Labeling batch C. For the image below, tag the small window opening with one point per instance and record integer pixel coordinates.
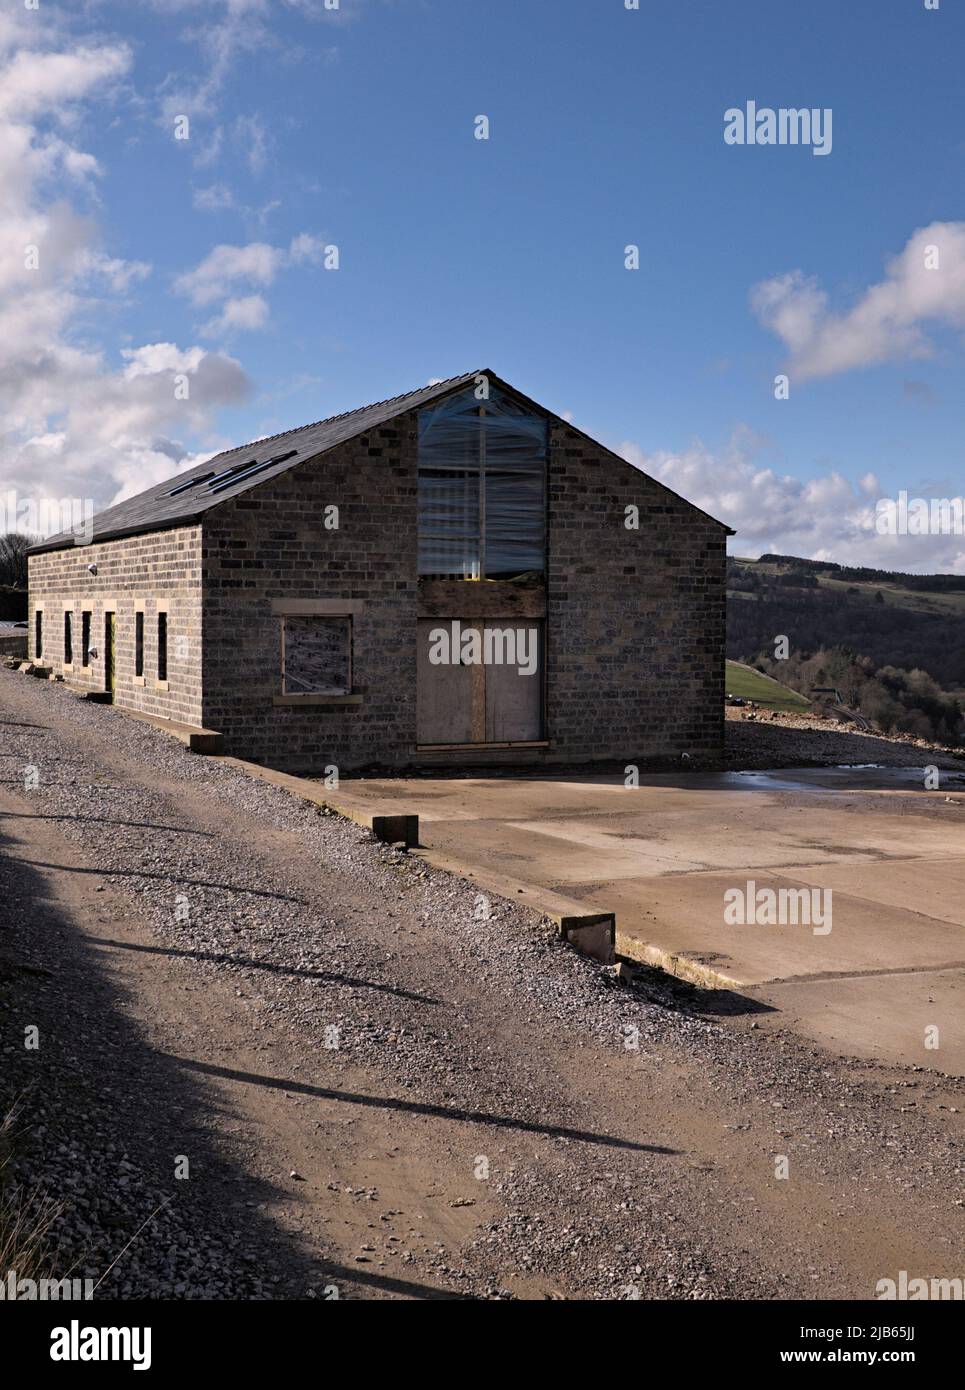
(316, 656)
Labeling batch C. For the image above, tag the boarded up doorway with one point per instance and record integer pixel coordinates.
(488, 688)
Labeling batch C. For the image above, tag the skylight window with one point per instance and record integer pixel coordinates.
(192, 482)
(218, 482)
(221, 484)
(230, 472)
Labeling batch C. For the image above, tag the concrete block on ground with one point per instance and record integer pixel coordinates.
(392, 829)
(592, 933)
(206, 741)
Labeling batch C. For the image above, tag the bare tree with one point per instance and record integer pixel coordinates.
(13, 558)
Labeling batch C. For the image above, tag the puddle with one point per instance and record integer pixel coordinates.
(853, 777)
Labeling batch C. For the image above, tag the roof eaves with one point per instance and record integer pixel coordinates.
(67, 541)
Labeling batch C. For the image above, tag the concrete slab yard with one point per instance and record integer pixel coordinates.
(661, 856)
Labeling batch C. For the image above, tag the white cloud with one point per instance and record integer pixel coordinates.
(823, 518)
(76, 424)
(228, 268)
(257, 263)
(160, 357)
(239, 28)
(306, 248)
(119, 274)
(224, 31)
(244, 314)
(35, 82)
(888, 321)
(216, 198)
(251, 134)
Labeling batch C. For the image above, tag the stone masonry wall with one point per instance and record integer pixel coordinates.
(270, 549)
(635, 631)
(136, 573)
(636, 618)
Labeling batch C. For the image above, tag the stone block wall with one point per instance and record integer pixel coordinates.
(158, 571)
(276, 548)
(636, 617)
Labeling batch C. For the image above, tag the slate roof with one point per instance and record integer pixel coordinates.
(157, 510)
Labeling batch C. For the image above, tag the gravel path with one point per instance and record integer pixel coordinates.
(378, 1092)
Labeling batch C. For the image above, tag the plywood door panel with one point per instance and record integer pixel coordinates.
(444, 712)
(477, 703)
(514, 701)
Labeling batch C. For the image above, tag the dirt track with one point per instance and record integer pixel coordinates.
(187, 939)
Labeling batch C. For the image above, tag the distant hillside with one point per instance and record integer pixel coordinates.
(910, 621)
(893, 644)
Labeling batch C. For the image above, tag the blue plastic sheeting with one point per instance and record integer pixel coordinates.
(482, 488)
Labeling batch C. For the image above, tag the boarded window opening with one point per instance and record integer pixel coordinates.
(162, 646)
(38, 634)
(68, 638)
(85, 638)
(316, 656)
(139, 644)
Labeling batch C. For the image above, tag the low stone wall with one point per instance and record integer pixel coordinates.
(14, 644)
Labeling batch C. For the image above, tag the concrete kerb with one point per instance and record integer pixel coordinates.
(695, 972)
(391, 829)
(591, 933)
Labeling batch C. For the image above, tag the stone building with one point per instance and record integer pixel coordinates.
(456, 576)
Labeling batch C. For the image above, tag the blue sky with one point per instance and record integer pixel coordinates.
(311, 128)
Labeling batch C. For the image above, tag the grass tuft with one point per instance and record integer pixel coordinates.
(25, 1217)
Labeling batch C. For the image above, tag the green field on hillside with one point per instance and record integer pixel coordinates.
(893, 594)
(748, 684)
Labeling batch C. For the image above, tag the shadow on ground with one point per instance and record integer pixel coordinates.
(94, 1097)
(671, 992)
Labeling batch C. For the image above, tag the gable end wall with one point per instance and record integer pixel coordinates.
(635, 644)
(636, 617)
